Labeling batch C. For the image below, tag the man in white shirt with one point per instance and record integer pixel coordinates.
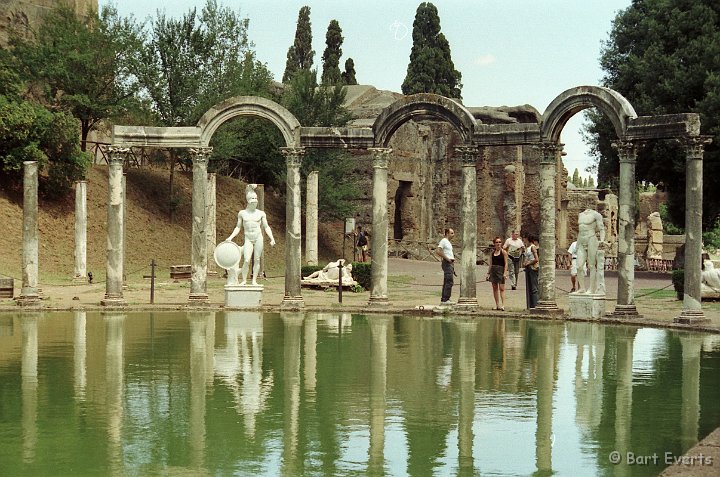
(572, 250)
(445, 251)
(515, 247)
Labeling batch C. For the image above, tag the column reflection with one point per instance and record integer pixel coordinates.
(80, 353)
(310, 356)
(690, 409)
(546, 362)
(378, 388)
(200, 326)
(29, 376)
(114, 377)
(625, 338)
(292, 326)
(466, 372)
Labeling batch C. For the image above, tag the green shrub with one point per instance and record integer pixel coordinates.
(361, 274)
(306, 270)
(678, 280)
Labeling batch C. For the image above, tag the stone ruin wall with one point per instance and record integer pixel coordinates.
(23, 16)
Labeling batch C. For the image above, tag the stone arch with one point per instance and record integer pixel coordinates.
(573, 100)
(422, 106)
(250, 106)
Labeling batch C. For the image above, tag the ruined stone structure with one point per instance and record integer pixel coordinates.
(23, 16)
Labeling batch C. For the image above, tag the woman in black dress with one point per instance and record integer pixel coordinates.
(498, 272)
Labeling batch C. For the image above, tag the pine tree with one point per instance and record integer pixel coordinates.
(585, 183)
(431, 69)
(300, 54)
(591, 182)
(576, 178)
(348, 76)
(331, 55)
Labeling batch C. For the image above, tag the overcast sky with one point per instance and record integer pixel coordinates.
(510, 52)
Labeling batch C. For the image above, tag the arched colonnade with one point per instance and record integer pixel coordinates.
(630, 130)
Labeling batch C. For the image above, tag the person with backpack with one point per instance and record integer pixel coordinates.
(362, 243)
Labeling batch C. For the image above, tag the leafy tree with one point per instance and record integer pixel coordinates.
(79, 64)
(331, 55)
(30, 132)
(300, 54)
(431, 69)
(664, 57)
(348, 76)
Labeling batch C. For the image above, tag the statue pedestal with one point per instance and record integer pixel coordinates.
(586, 305)
(243, 296)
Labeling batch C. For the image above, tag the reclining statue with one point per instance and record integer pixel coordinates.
(710, 284)
(330, 273)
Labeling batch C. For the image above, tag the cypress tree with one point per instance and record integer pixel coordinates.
(576, 178)
(300, 54)
(431, 69)
(348, 75)
(591, 182)
(331, 55)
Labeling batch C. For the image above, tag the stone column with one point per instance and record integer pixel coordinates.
(80, 275)
(692, 307)
(379, 237)
(548, 168)
(311, 220)
(198, 278)
(123, 211)
(627, 152)
(468, 289)
(293, 233)
(115, 244)
(210, 222)
(690, 409)
(29, 295)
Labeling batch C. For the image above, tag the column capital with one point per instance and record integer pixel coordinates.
(381, 156)
(200, 154)
(118, 155)
(695, 146)
(627, 150)
(293, 155)
(550, 151)
(467, 154)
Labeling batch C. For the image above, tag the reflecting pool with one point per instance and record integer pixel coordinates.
(242, 393)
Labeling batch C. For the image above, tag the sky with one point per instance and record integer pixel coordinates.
(510, 52)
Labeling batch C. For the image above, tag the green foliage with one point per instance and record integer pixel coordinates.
(331, 55)
(668, 226)
(711, 238)
(315, 105)
(357, 288)
(79, 64)
(306, 270)
(300, 54)
(337, 194)
(678, 280)
(576, 178)
(431, 69)
(361, 273)
(591, 182)
(348, 76)
(664, 57)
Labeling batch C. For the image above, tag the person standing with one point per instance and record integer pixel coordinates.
(498, 272)
(445, 251)
(532, 266)
(572, 250)
(362, 243)
(514, 248)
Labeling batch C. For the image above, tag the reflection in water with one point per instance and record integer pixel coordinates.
(200, 328)
(466, 332)
(623, 392)
(79, 347)
(114, 337)
(29, 373)
(310, 357)
(690, 410)
(378, 386)
(589, 389)
(292, 326)
(239, 365)
(546, 333)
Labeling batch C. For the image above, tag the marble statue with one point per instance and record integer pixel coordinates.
(591, 249)
(710, 284)
(655, 237)
(252, 222)
(330, 273)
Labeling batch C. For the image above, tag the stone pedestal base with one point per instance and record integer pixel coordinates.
(586, 305)
(547, 308)
(28, 300)
(625, 311)
(292, 303)
(243, 296)
(113, 301)
(379, 301)
(692, 317)
(467, 304)
(198, 299)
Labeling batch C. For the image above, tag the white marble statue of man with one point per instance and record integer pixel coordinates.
(590, 226)
(252, 221)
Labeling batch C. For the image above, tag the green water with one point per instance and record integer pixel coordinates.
(336, 394)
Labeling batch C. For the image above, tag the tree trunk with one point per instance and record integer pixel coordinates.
(171, 197)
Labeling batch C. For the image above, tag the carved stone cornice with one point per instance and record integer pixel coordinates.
(200, 155)
(550, 151)
(118, 155)
(293, 155)
(467, 155)
(381, 156)
(627, 151)
(695, 146)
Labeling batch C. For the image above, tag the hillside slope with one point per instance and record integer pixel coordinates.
(149, 232)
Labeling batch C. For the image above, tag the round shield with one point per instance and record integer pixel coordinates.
(227, 254)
